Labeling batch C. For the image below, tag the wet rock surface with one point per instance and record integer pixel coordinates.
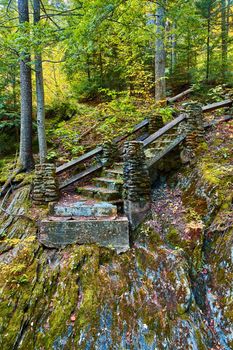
(172, 290)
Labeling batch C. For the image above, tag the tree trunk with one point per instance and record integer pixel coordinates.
(40, 94)
(26, 155)
(208, 48)
(173, 49)
(160, 55)
(224, 35)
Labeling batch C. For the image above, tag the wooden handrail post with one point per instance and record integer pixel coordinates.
(137, 187)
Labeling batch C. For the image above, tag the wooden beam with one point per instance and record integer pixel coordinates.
(81, 159)
(177, 97)
(226, 118)
(164, 129)
(80, 176)
(211, 107)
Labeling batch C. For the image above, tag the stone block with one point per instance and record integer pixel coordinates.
(82, 209)
(60, 232)
(136, 212)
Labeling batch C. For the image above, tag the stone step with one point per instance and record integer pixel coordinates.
(114, 174)
(59, 232)
(118, 166)
(83, 209)
(111, 184)
(100, 193)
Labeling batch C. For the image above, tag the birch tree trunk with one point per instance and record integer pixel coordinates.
(160, 55)
(26, 155)
(40, 94)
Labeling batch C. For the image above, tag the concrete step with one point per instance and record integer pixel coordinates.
(83, 209)
(59, 232)
(100, 193)
(111, 184)
(113, 174)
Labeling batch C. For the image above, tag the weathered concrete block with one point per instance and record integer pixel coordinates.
(86, 210)
(60, 232)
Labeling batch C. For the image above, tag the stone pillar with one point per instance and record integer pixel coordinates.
(155, 123)
(195, 125)
(137, 187)
(45, 187)
(110, 153)
(194, 129)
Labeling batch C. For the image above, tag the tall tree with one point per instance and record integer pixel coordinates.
(207, 10)
(40, 92)
(224, 36)
(26, 155)
(160, 54)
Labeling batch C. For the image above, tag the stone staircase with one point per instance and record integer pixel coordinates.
(95, 213)
(107, 188)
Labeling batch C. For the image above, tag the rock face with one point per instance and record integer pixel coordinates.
(172, 290)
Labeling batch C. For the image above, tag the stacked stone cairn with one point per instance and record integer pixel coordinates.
(45, 187)
(137, 187)
(110, 153)
(155, 123)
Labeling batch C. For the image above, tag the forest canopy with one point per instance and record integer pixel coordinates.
(86, 58)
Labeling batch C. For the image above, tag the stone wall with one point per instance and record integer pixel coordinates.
(45, 187)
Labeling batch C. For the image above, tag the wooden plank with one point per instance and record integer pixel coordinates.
(168, 149)
(80, 176)
(81, 159)
(217, 105)
(143, 136)
(177, 97)
(226, 118)
(164, 129)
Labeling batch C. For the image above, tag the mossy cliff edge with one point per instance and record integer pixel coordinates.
(172, 290)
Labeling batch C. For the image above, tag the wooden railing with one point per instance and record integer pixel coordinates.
(147, 141)
(163, 130)
(91, 154)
